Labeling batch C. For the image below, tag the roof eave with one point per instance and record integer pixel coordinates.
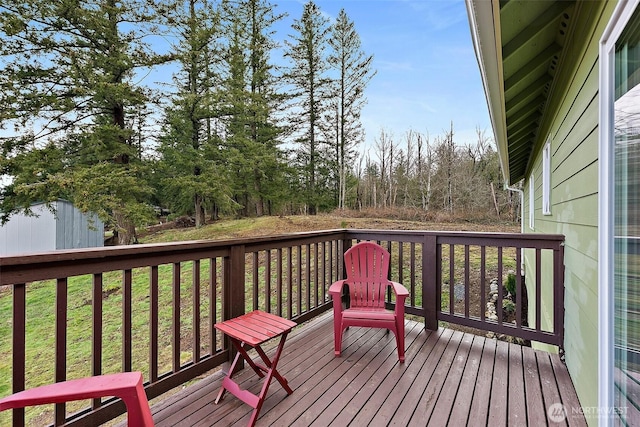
(484, 22)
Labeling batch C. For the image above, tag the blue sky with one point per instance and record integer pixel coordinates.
(428, 75)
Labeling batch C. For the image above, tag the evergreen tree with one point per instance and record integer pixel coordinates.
(250, 102)
(353, 75)
(193, 172)
(308, 76)
(67, 87)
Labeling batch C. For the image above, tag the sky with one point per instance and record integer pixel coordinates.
(427, 72)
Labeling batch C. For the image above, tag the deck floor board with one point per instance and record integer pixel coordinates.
(448, 378)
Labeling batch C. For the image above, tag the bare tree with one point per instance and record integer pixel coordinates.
(353, 75)
(424, 169)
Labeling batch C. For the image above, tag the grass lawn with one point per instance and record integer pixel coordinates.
(40, 339)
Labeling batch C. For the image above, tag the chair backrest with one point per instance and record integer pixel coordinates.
(367, 268)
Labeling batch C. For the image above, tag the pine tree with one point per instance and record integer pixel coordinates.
(354, 73)
(192, 165)
(67, 87)
(251, 99)
(308, 76)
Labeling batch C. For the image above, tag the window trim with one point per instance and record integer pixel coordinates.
(546, 178)
(532, 202)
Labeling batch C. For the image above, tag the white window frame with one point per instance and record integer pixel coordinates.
(546, 179)
(616, 25)
(532, 202)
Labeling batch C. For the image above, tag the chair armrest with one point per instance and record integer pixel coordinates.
(399, 289)
(401, 294)
(336, 287)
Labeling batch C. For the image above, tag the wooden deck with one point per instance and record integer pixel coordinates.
(449, 378)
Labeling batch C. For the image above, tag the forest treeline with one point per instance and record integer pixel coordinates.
(235, 132)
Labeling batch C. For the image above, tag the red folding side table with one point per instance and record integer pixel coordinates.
(250, 331)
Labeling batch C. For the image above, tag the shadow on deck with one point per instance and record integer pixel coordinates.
(449, 378)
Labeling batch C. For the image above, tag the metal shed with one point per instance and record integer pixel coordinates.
(67, 228)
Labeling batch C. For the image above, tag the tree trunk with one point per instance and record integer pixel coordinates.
(199, 210)
(125, 229)
(495, 202)
(259, 198)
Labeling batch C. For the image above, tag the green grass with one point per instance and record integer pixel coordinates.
(224, 229)
(40, 339)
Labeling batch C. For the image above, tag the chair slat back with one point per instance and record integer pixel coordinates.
(367, 266)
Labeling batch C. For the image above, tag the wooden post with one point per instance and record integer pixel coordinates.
(558, 294)
(233, 287)
(346, 245)
(61, 342)
(19, 333)
(233, 290)
(430, 283)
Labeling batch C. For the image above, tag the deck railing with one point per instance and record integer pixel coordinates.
(152, 307)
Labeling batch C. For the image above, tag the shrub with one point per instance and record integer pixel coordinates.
(511, 284)
(508, 307)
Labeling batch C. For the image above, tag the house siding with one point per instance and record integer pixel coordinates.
(571, 124)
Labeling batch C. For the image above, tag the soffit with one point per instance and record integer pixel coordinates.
(532, 39)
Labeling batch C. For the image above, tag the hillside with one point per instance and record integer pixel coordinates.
(265, 226)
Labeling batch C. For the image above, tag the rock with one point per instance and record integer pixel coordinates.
(459, 291)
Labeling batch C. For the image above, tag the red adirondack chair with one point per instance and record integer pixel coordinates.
(367, 270)
(125, 385)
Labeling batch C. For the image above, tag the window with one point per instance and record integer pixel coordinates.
(532, 205)
(546, 179)
(626, 226)
(619, 281)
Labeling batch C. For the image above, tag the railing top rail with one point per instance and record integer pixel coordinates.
(155, 248)
(450, 234)
(516, 240)
(73, 262)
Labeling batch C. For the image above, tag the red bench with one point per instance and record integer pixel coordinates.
(126, 385)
